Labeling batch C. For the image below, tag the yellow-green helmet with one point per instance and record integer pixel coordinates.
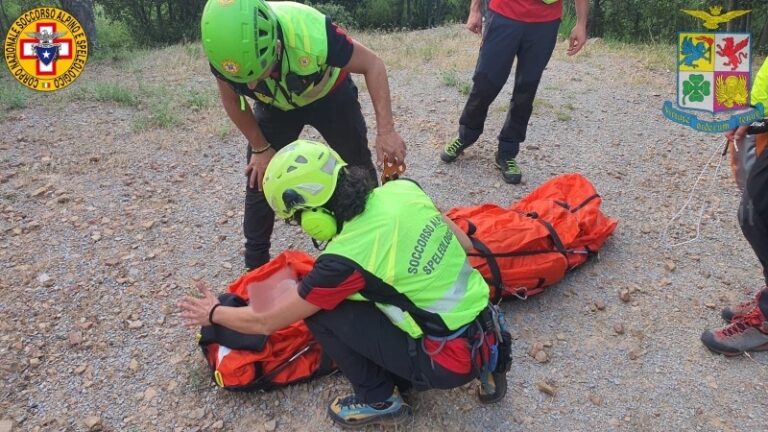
(302, 175)
(239, 38)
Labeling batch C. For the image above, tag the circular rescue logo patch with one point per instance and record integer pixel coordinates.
(231, 66)
(46, 49)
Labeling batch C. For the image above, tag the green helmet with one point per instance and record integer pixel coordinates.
(239, 38)
(302, 175)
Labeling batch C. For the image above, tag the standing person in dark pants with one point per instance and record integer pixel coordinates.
(748, 322)
(296, 64)
(525, 30)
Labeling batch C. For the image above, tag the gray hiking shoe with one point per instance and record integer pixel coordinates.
(350, 413)
(749, 333)
(452, 150)
(510, 171)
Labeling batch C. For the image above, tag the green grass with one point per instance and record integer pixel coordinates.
(651, 56)
(450, 78)
(500, 107)
(564, 116)
(113, 92)
(103, 91)
(224, 131)
(157, 116)
(464, 88)
(156, 106)
(198, 100)
(427, 52)
(194, 50)
(13, 95)
(541, 104)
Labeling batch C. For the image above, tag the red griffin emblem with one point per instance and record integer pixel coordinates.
(733, 51)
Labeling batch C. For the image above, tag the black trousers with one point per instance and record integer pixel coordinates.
(753, 211)
(374, 354)
(339, 120)
(505, 39)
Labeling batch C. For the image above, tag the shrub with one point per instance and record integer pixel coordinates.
(387, 14)
(115, 38)
(567, 22)
(338, 13)
(157, 22)
(380, 14)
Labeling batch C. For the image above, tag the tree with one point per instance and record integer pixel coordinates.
(596, 20)
(82, 10)
(157, 22)
(5, 20)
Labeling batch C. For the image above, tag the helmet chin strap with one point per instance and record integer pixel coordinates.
(319, 245)
(279, 50)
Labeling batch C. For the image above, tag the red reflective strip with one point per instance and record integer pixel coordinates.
(339, 80)
(329, 297)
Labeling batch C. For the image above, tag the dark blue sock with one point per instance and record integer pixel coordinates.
(508, 150)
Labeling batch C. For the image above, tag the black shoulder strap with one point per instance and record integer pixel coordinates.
(492, 265)
(556, 241)
(585, 202)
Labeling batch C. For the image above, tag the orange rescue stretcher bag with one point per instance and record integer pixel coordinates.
(531, 245)
(244, 363)
(520, 250)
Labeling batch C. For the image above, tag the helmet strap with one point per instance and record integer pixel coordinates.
(319, 245)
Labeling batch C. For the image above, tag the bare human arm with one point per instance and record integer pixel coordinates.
(738, 133)
(287, 309)
(247, 124)
(579, 33)
(475, 18)
(463, 238)
(389, 145)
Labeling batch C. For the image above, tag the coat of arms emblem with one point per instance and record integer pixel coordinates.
(713, 74)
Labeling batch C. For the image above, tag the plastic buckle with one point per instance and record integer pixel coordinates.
(391, 170)
(521, 293)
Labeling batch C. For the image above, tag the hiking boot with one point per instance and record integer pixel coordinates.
(509, 169)
(749, 333)
(348, 412)
(735, 312)
(493, 387)
(452, 150)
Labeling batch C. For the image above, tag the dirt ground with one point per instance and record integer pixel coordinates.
(118, 193)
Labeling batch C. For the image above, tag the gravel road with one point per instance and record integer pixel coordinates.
(105, 221)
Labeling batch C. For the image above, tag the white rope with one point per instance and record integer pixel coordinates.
(665, 234)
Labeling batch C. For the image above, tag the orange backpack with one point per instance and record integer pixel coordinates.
(529, 246)
(256, 362)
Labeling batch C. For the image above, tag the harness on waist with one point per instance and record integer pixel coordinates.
(489, 342)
